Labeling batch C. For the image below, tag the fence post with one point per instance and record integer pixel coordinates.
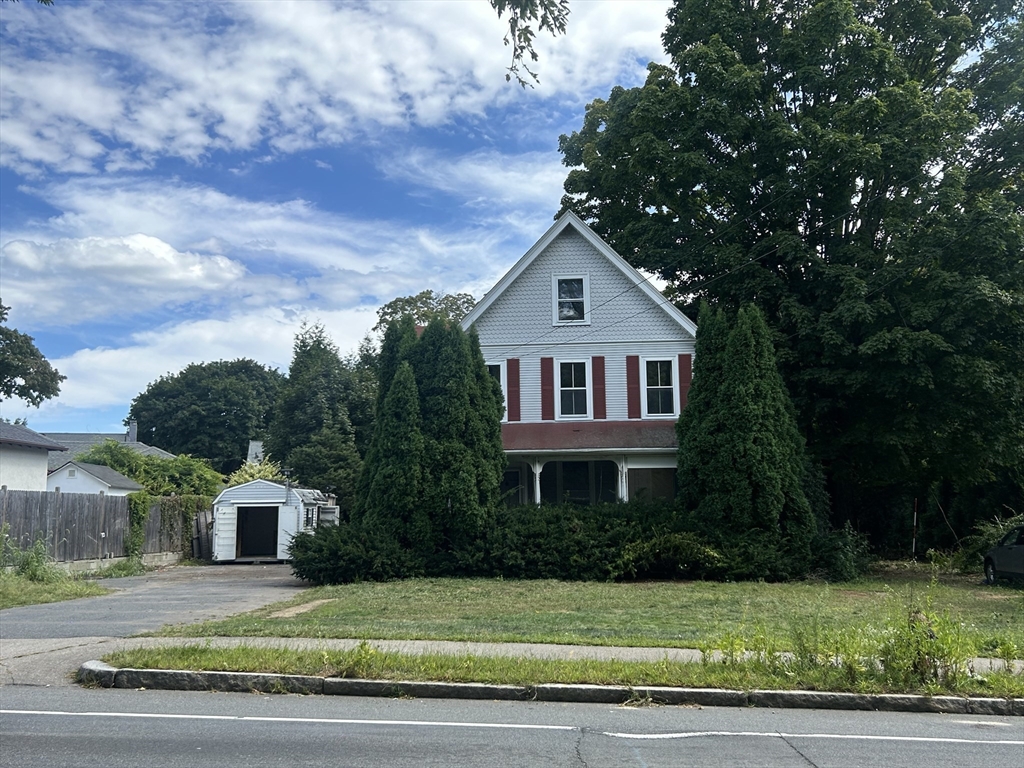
(103, 526)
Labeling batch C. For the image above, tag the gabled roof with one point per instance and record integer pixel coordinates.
(109, 477)
(80, 442)
(570, 219)
(16, 434)
(305, 495)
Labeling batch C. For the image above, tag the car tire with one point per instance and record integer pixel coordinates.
(990, 572)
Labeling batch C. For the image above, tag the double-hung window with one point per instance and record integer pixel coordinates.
(497, 372)
(570, 299)
(573, 390)
(659, 387)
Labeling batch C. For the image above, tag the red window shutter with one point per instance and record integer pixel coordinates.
(600, 408)
(512, 381)
(633, 386)
(547, 388)
(685, 377)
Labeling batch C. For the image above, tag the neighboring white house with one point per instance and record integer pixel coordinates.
(257, 520)
(23, 457)
(79, 477)
(595, 365)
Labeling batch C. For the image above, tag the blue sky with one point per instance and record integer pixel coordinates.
(185, 182)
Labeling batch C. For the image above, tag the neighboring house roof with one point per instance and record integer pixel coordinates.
(80, 442)
(570, 219)
(109, 477)
(16, 434)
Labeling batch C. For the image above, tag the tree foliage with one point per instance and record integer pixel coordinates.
(453, 406)
(267, 469)
(311, 431)
(826, 162)
(182, 475)
(424, 307)
(549, 15)
(741, 457)
(210, 410)
(24, 372)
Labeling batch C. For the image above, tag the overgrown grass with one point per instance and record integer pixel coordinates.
(30, 576)
(18, 590)
(658, 614)
(366, 662)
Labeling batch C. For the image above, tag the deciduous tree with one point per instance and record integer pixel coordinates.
(824, 161)
(210, 410)
(24, 372)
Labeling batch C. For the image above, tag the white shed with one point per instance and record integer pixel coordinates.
(257, 520)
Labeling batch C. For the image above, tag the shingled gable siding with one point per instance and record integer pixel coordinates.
(685, 377)
(633, 386)
(600, 409)
(547, 389)
(512, 407)
(620, 312)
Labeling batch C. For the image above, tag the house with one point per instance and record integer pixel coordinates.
(23, 457)
(257, 520)
(80, 442)
(595, 365)
(79, 477)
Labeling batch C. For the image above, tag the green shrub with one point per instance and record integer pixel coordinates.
(33, 563)
(840, 554)
(682, 555)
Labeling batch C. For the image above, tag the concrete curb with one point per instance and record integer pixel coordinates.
(106, 676)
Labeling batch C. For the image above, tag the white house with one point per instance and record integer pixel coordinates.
(23, 457)
(595, 365)
(257, 520)
(79, 477)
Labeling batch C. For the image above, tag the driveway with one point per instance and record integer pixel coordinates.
(43, 644)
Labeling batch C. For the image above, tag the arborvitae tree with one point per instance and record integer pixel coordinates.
(741, 459)
(695, 431)
(461, 461)
(329, 462)
(399, 339)
(393, 509)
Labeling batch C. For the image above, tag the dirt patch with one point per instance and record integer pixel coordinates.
(295, 610)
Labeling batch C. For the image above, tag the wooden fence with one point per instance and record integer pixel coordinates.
(88, 526)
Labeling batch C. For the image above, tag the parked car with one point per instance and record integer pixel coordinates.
(1006, 559)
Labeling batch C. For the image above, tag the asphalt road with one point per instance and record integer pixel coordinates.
(82, 727)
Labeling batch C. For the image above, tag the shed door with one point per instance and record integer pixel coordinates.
(257, 532)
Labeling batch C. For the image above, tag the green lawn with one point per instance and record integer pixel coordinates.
(661, 614)
(17, 590)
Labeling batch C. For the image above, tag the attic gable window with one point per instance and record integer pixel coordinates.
(570, 299)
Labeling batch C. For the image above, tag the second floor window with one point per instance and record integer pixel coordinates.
(661, 395)
(572, 389)
(571, 300)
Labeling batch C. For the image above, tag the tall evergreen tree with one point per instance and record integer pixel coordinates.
(741, 459)
(393, 508)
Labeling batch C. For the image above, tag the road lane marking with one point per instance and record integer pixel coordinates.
(783, 735)
(264, 719)
(513, 726)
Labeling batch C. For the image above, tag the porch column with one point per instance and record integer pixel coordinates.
(623, 464)
(537, 465)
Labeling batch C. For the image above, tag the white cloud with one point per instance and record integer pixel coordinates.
(116, 86)
(102, 377)
(210, 251)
